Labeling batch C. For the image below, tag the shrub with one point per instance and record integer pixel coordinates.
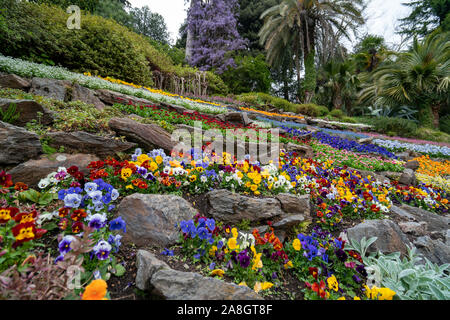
(312, 110)
(403, 127)
(102, 46)
(444, 124)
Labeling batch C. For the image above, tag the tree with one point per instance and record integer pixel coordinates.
(212, 36)
(301, 23)
(114, 9)
(249, 23)
(150, 24)
(425, 17)
(250, 75)
(338, 82)
(370, 52)
(418, 78)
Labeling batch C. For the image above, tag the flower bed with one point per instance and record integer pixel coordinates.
(429, 149)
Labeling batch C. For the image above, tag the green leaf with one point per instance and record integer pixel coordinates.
(119, 270)
(405, 273)
(438, 294)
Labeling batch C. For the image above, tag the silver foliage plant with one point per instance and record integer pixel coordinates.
(412, 278)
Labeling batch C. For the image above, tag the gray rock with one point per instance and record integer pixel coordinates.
(302, 151)
(294, 204)
(390, 237)
(84, 142)
(177, 285)
(147, 264)
(413, 165)
(79, 93)
(14, 82)
(414, 228)
(402, 213)
(233, 208)
(289, 222)
(17, 145)
(235, 118)
(51, 88)
(435, 222)
(32, 171)
(408, 178)
(148, 136)
(109, 97)
(151, 218)
(434, 250)
(403, 156)
(28, 110)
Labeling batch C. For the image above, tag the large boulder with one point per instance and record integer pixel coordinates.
(433, 249)
(163, 282)
(14, 82)
(178, 285)
(151, 218)
(236, 118)
(232, 208)
(84, 142)
(28, 110)
(435, 222)
(79, 93)
(389, 236)
(109, 97)
(148, 136)
(303, 151)
(17, 144)
(285, 210)
(32, 171)
(408, 178)
(51, 88)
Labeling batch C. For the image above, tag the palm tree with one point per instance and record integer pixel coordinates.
(419, 78)
(300, 24)
(339, 82)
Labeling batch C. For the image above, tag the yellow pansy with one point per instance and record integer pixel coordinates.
(217, 272)
(297, 244)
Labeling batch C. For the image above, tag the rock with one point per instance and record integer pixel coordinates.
(151, 218)
(232, 208)
(435, 222)
(414, 228)
(293, 204)
(79, 93)
(28, 110)
(408, 178)
(302, 151)
(84, 142)
(17, 144)
(236, 118)
(390, 237)
(172, 107)
(402, 213)
(32, 171)
(55, 89)
(14, 82)
(365, 140)
(413, 165)
(178, 285)
(147, 264)
(391, 175)
(403, 156)
(148, 136)
(111, 97)
(289, 222)
(434, 250)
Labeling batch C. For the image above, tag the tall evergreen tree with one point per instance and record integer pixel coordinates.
(425, 17)
(212, 35)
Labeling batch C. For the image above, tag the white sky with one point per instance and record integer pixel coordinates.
(382, 15)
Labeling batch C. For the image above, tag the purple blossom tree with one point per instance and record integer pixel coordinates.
(212, 34)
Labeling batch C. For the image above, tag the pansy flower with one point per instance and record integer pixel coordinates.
(7, 214)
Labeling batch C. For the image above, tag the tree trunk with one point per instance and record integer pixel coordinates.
(435, 112)
(337, 100)
(309, 50)
(189, 40)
